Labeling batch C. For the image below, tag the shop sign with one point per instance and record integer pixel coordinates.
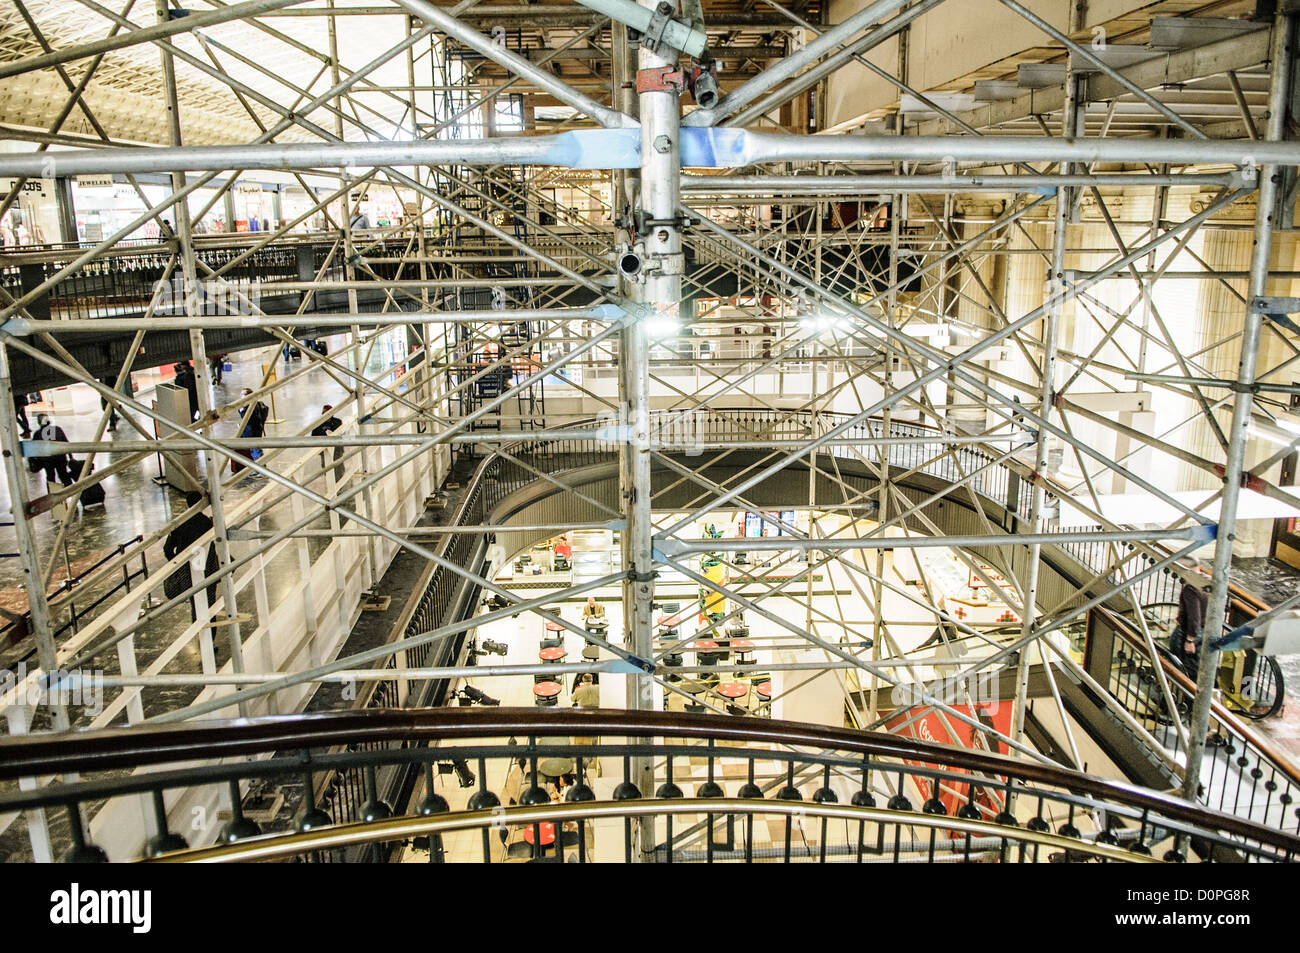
(31, 186)
(977, 583)
(98, 181)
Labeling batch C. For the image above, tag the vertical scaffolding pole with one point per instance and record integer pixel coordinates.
(661, 242)
(1280, 55)
(42, 629)
(1071, 128)
(193, 310)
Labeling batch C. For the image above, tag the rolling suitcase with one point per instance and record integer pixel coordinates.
(92, 495)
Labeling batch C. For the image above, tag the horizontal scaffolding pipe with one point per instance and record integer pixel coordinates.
(81, 679)
(687, 444)
(397, 284)
(48, 448)
(554, 529)
(776, 185)
(720, 147)
(674, 547)
(25, 327)
(563, 149)
(727, 147)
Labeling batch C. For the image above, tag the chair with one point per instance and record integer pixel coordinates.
(519, 851)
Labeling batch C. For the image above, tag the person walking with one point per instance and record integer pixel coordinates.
(587, 696)
(218, 363)
(106, 404)
(55, 465)
(330, 425)
(1186, 639)
(185, 378)
(20, 411)
(179, 541)
(254, 427)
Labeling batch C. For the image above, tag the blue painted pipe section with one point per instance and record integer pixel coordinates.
(595, 149)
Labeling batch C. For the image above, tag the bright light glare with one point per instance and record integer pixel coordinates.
(824, 323)
(659, 327)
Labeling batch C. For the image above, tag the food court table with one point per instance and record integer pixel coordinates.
(545, 828)
(546, 692)
(553, 654)
(732, 690)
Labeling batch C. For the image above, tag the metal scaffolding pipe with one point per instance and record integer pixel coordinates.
(676, 34)
(23, 327)
(674, 547)
(1283, 59)
(720, 147)
(774, 186)
(781, 72)
(446, 23)
(185, 24)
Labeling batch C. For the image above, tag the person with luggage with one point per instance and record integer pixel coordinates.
(179, 541)
(56, 465)
(93, 495)
(254, 427)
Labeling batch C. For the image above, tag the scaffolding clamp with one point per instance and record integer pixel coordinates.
(661, 79)
(665, 31)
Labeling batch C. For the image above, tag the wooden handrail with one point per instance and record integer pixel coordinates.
(1220, 712)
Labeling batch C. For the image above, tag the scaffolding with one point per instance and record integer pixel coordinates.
(611, 251)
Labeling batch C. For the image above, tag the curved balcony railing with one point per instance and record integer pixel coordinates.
(827, 786)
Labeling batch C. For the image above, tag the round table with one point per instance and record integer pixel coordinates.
(545, 828)
(743, 647)
(552, 654)
(764, 689)
(670, 621)
(733, 690)
(707, 652)
(591, 653)
(555, 766)
(546, 692)
(553, 626)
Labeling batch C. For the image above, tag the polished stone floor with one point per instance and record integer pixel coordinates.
(135, 504)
